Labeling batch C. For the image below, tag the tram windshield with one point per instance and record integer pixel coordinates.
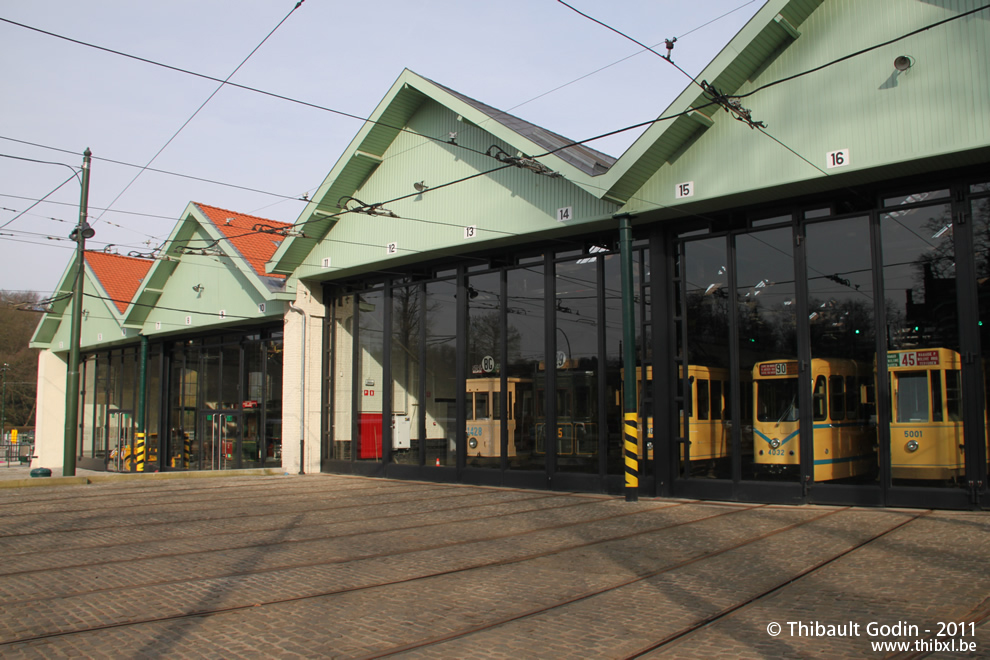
(912, 396)
(777, 400)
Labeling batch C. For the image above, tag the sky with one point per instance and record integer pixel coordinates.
(255, 154)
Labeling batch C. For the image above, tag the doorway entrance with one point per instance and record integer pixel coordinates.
(219, 444)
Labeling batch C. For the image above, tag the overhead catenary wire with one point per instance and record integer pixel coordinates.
(202, 105)
(653, 121)
(608, 66)
(228, 83)
(152, 169)
(56, 189)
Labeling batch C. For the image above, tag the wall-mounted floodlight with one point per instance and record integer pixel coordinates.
(198, 288)
(903, 62)
(421, 186)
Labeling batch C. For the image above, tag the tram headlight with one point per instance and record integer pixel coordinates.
(473, 443)
(912, 445)
(774, 443)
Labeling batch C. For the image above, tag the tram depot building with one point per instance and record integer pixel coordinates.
(811, 285)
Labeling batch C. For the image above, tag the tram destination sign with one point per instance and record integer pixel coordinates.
(778, 369)
(912, 359)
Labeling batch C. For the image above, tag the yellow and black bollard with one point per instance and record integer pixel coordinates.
(140, 452)
(630, 445)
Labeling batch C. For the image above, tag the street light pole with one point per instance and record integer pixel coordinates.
(630, 444)
(79, 234)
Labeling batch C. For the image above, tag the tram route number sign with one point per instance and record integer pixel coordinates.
(912, 359)
(778, 369)
(487, 366)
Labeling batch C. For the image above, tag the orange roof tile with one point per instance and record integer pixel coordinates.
(119, 276)
(256, 247)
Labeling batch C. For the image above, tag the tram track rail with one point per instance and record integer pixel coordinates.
(315, 539)
(185, 518)
(207, 612)
(752, 600)
(512, 573)
(491, 625)
(155, 495)
(979, 615)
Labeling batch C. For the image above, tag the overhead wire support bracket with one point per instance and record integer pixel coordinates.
(280, 231)
(367, 209)
(522, 161)
(210, 250)
(142, 255)
(731, 105)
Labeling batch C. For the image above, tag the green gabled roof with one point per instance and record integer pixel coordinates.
(57, 311)
(769, 31)
(363, 156)
(241, 255)
(110, 277)
(822, 76)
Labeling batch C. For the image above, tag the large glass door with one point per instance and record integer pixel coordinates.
(120, 435)
(844, 361)
(219, 444)
(842, 334)
(921, 382)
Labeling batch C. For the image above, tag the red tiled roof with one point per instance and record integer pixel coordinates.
(119, 276)
(256, 247)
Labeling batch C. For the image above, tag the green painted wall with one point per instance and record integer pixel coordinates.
(504, 205)
(224, 286)
(100, 322)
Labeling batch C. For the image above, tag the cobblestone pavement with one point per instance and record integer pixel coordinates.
(280, 566)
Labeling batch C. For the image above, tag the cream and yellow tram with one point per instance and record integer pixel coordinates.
(843, 437)
(704, 423)
(484, 428)
(926, 426)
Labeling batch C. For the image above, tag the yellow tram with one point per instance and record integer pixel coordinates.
(926, 426)
(705, 425)
(843, 436)
(484, 428)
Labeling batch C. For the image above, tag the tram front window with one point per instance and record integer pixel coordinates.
(777, 400)
(912, 397)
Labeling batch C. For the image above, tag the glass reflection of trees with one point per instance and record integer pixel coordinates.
(920, 278)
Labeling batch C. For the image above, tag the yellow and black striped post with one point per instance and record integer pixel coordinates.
(140, 454)
(630, 450)
(186, 450)
(630, 440)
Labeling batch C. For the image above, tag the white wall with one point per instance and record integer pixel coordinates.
(310, 301)
(49, 434)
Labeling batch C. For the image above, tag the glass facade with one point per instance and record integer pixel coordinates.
(828, 351)
(221, 397)
(514, 372)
